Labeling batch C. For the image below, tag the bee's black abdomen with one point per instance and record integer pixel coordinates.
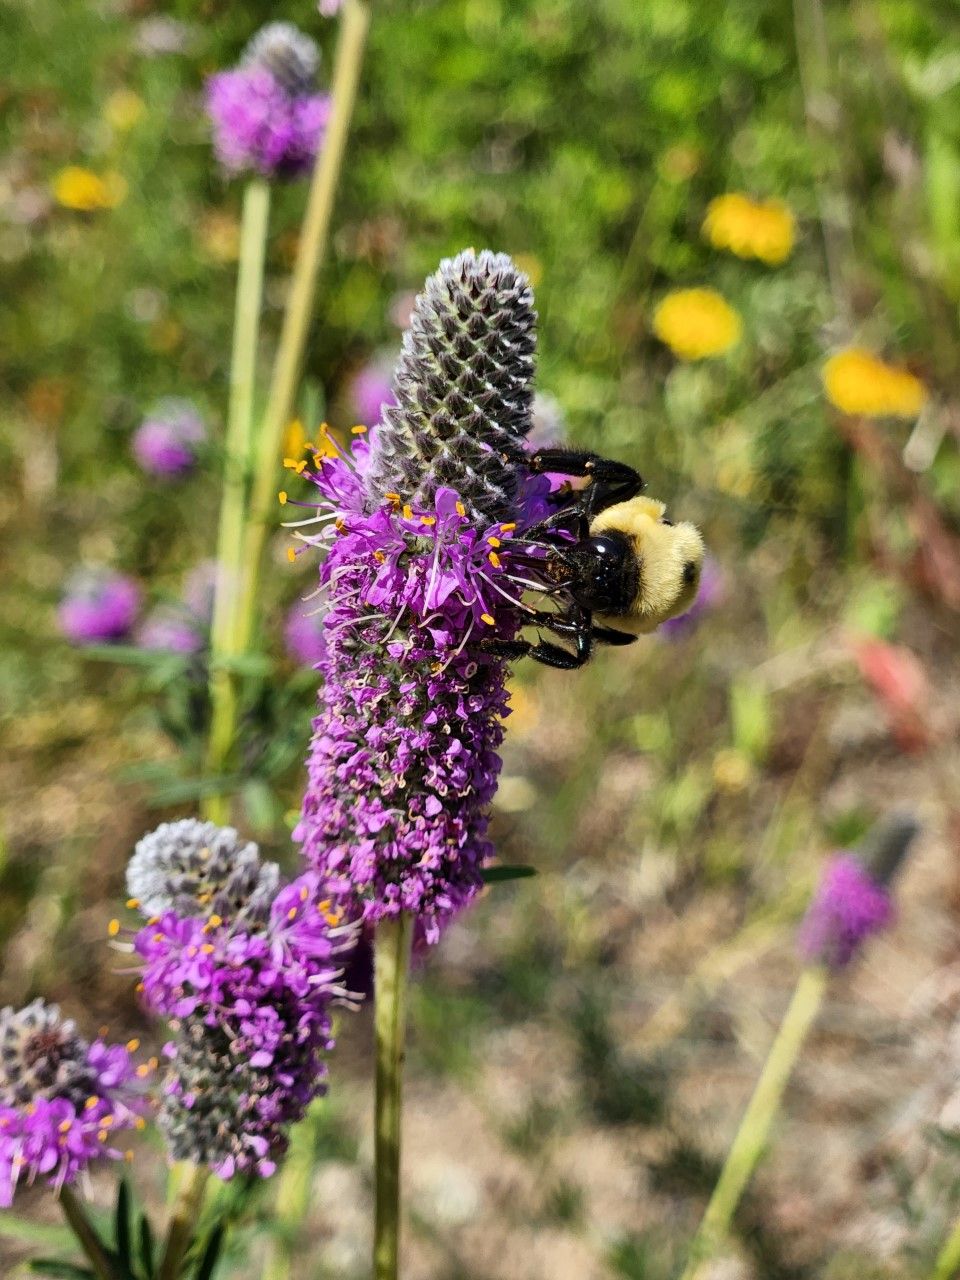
(607, 573)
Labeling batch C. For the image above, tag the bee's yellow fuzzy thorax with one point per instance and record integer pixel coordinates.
(663, 550)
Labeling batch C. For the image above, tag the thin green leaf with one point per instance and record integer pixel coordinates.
(211, 1254)
(59, 1270)
(147, 1263)
(498, 875)
(130, 655)
(193, 789)
(122, 1225)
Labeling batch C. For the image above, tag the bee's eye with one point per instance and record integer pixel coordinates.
(689, 572)
(664, 520)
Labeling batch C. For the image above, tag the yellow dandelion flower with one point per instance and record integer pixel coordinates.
(696, 323)
(124, 110)
(857, 382)
(86, 191)
(762, 229)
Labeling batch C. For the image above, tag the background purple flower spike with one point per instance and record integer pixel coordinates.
(371, 389)
(303, 632)
(853, 900)
(170, 629)
(167, 442)
(98, 607)
(266, 116)
(710, 595)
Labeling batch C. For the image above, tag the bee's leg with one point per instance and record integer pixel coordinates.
(576, 627)
(611, 481)
(609, 635)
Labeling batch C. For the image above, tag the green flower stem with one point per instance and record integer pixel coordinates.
(293, 1194)
(391, 961)
(947, 1265)
(83, 1229)
(236, 467)
(184, 1217)
(314, 236)
(751, 1139)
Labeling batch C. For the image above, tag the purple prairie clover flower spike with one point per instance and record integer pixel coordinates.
(250, 1001)
(171, 630)
(199, 589)
(710, 595)
(420, 570)
(463, 390)
(329, 8)
(266, 116)
(98, 607)
(303, 632)
(63, 1100)
(196, 868)
(167, 441)
(853, 900)
(371, 390)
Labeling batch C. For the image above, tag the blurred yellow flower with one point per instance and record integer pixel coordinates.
(732, 771)
(294, 440)
(857, 382)
(123, 110)
(695, 323)
(219, 235)
(86, 191)
(761, 229)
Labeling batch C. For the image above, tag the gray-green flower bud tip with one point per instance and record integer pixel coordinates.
(884, 848)
(197, 868)
(291, 57)
(463, 386)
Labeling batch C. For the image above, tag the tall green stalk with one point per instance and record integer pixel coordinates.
(89, 1241)
(224, 638)
(314, 237)
(391, 960)
(184, 1216)
(751, 1139)
(947, 1265)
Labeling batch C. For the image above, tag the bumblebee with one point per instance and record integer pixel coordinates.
(614, 564)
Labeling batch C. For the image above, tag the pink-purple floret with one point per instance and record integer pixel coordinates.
(848, 907)
(167, 442)
(98, 607)
(259, 126)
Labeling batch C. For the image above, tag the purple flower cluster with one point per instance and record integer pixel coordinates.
(853, 900)
(98, 607)
(266, 117)
(249, 993)
(848, 907)
(182, 627)
(167, 441)
(63, 1101)
(404, 758)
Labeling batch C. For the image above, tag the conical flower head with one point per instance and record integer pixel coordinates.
(41, 1053)
(291, 57)
(463, 387)
(198, 868)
